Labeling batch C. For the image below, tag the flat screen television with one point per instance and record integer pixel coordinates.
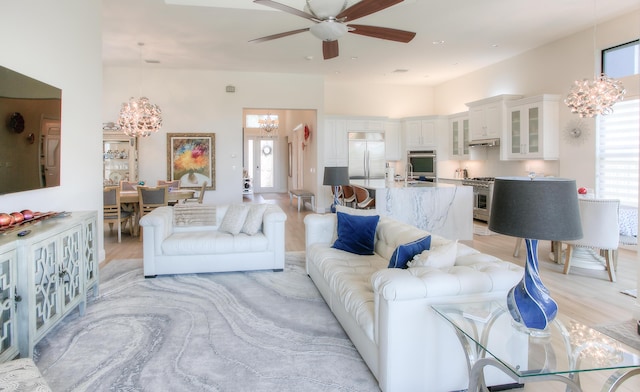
(30, 133)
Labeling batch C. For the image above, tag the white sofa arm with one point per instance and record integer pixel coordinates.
(273, 228)
(158, 225)
(319, 228)
(395, 284)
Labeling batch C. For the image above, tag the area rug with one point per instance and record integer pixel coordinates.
(625, 332)
(241, 331)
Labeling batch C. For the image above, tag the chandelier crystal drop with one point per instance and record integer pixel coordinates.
(269, 125)
(589, 98)
(140, 117)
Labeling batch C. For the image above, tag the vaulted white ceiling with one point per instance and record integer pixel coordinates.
(454, 37)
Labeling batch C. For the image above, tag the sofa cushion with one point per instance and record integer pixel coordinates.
(406, 252)
(356, 234)
(253, 222)
(194, 215)
(234, 219)
(438, 257)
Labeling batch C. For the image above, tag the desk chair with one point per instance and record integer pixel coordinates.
(200, 196)
(112, 213)
(601, 230)
(149, 199)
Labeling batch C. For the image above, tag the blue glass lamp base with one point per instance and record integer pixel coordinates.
(529, 301)
(336, 201)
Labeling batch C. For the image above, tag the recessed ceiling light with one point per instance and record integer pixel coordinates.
(400, 70)
(354, 57)
(151, 61)
(308, 58)
(494, 45)
(438, 42)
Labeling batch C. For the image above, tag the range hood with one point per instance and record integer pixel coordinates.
(485, 143)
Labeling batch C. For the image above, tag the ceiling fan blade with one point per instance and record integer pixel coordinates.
(287, 9)
(329, 49)
(364, 8)
(279, 35)
(382, 32)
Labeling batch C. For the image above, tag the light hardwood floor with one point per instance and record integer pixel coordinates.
(586, 296)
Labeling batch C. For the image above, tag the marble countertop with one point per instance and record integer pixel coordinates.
(382, 184)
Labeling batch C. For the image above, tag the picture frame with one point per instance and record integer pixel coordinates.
(191, 159)
(290, 159)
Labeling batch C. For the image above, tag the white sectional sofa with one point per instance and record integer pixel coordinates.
(387, 311)
(173, 244)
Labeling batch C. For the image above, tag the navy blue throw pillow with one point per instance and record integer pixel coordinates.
(405, 253)
(356, 233)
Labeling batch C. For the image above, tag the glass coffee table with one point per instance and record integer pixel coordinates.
(491, 340)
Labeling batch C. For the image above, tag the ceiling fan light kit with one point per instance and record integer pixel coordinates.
(330, 17)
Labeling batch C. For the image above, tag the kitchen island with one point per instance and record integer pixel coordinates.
(443, 209)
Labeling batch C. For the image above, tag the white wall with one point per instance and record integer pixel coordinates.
(196, 101)
(59, 43)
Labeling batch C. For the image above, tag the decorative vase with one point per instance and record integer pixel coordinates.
(529, 301)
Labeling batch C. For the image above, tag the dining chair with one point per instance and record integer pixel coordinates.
(128, 186)
(200, 196)
(348, 195)
(150, 198)
(113, 214)
(600, 230)
(363, 199)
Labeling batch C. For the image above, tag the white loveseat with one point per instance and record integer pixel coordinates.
(170, 248)
(387, 311)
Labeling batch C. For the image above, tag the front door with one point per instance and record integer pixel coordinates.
(262, 153)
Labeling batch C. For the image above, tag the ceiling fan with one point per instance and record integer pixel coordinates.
(331, 17)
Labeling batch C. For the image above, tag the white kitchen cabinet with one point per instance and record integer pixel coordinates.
(120, 158)
(392, 141)
(365, 124)
(487, 117)
(336, 143)
(427, 133)
(56, 265)
(533, 130)
(8, 322)
(459, 136)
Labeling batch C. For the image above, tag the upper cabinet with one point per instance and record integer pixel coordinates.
(533, 128)
(487, 117)
(336, 142)
(392, 140)
(459, 136)
(428, 132)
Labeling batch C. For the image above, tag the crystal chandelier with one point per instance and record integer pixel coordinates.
(139, 117)
(589, 98)
(269, 125)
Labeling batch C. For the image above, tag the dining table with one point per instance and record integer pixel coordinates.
(129, 201)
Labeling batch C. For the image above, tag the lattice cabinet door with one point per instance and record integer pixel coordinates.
(8, 322)
(91, 263)
(70, 268)
(46, 298)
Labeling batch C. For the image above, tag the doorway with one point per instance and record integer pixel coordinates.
(262, 156)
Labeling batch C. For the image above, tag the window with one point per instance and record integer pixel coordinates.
(621, 60)
(617, 153)
(253, 120)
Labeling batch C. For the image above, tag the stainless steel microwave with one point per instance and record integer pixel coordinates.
(421, 163)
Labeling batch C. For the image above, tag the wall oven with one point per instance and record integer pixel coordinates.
(421, 164)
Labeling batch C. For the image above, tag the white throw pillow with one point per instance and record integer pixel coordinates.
(234, 219)
(438, 257)
(194, 215)
(254, 219)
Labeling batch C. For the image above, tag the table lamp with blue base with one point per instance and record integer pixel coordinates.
(335, 177)
(534, 209)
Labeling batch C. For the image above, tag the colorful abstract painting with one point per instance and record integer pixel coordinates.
(191, 159)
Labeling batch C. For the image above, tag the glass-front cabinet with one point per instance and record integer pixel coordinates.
(120, 158)
(459, 134)
(533, 128)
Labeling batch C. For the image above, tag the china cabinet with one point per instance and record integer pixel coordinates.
(120, 158)
(533, 131)
(487, 117)
(8, 337)
(56, 264)
(459, 136)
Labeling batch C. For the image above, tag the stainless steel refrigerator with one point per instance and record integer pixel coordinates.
(366, 155)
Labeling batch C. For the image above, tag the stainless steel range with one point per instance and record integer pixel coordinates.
(482, 194)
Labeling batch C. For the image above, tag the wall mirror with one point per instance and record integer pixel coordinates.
(30, 133)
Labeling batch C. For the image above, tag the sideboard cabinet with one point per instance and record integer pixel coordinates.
(46, 275)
